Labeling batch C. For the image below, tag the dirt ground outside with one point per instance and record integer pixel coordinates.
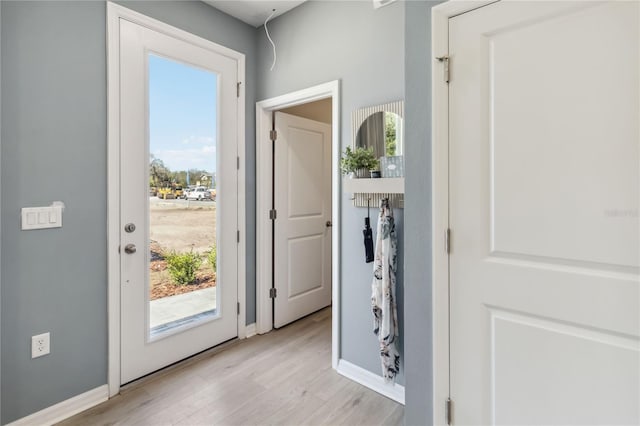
(180, 226)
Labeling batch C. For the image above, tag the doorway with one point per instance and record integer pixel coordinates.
(536, 183)
(328, 221)
(301, 255)
(176, 199)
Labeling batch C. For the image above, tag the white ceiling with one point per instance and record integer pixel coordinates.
(254, 12)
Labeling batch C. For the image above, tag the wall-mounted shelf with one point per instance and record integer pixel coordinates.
(374, 186)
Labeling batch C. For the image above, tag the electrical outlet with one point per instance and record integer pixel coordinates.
(40, 345)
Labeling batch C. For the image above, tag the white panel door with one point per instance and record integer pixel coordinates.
(161, 79)
(544, 202)
(302, 257)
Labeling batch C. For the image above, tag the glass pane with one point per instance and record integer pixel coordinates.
(182, 195)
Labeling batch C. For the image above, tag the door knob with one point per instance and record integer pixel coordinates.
(130, 248)
(329, 224)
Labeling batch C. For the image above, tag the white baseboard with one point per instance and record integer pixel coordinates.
(372, 381)
(250, 330)
(65, 409)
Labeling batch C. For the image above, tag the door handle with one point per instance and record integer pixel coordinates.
(130, 248)
(329, 224)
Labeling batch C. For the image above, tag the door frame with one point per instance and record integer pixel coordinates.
(264, 191)
(114, 14)
(440, 16)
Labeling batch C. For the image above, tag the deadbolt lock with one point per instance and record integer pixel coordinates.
(129, 227)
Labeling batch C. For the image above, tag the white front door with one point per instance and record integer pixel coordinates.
(178, 129)
(302, 194)
(544, 201)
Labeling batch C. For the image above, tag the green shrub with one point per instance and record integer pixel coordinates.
(183, 266)
(212, 257)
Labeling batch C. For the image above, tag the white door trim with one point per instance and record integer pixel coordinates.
(263, 203)
(114, 14)
(440, 16)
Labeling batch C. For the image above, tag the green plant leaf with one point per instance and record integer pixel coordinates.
(183, 266)
(360, 158)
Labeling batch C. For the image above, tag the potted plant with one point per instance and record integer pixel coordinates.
(375, 172)
(358, 162)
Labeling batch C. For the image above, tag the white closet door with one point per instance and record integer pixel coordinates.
(544, 201)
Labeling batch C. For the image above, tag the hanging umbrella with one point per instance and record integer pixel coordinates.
(368, 236)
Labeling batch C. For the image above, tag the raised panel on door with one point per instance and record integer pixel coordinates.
(544, 185)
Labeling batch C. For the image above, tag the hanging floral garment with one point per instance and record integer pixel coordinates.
(383, 297)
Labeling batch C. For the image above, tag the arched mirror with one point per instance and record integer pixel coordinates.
(381, 128)
(382, 131)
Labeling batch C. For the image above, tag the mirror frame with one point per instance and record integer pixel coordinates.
(358, 117)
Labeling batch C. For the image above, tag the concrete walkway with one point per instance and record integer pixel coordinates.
(175, 308)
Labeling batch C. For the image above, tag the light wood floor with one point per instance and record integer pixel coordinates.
(281, 378)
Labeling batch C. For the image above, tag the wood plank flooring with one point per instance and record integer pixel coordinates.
(281, 378)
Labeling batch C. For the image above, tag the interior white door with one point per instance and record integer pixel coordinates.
(302, 193)
(196, 320)
(544, 202)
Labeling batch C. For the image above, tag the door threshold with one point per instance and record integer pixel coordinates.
(169, 328)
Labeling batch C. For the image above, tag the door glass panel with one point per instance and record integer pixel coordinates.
(182, 196)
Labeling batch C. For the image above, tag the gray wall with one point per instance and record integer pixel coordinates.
(0, 202)
(54, 147)
(418, 336)
(364, 48)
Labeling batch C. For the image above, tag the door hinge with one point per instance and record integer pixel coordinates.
(238, 88)
(445, 63)
(447, 241)
(272, 293)
(273, 214)
(273, 135)
(238, 163)
(447, 411)
(238, 235)
(238, 308)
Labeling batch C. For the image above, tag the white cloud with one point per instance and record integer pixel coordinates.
(198, 140)
(190, 158)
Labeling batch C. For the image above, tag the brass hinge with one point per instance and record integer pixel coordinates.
(273, 135)
(272, 293)
(238, 308)
(238, 163)
(447, 410)
(273, 214)
(238, 88)
(445, 63)
(238, 235)
(447, 241)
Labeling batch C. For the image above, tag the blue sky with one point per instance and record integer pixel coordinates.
(182, 115)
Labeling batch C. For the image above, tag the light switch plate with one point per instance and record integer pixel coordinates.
(41, 217)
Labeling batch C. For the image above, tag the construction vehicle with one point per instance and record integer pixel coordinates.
(166, 191)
